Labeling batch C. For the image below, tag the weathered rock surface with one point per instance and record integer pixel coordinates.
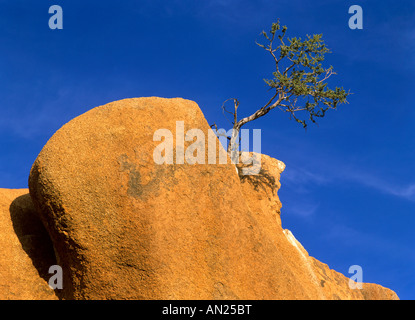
(316, 279)
(124, 227)
(26, 252)
(261, 190)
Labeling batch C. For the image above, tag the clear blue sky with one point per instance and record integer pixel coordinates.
(348, 191)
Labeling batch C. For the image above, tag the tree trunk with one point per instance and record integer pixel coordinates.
(233, 147)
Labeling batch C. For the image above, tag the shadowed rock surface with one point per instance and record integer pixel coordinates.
(26, 252)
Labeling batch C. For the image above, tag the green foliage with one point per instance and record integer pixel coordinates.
(299, 79)
(299, 82)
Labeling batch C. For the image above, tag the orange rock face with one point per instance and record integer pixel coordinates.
(125, 227)
(316, 280)
(25, 249)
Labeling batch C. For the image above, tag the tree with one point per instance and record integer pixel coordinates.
(299, 83)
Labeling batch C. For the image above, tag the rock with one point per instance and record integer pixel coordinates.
(125, 227)
(260, 190)
(26, 250)
(317, 280)
(372, 291)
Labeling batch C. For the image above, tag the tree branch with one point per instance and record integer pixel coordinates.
(262, 111)
(224, 110)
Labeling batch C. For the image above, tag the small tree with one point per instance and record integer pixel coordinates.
(299, 84)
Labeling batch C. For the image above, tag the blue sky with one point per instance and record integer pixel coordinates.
(348, 191)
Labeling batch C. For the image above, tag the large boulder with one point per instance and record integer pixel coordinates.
(26, 252)
(126, 226)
